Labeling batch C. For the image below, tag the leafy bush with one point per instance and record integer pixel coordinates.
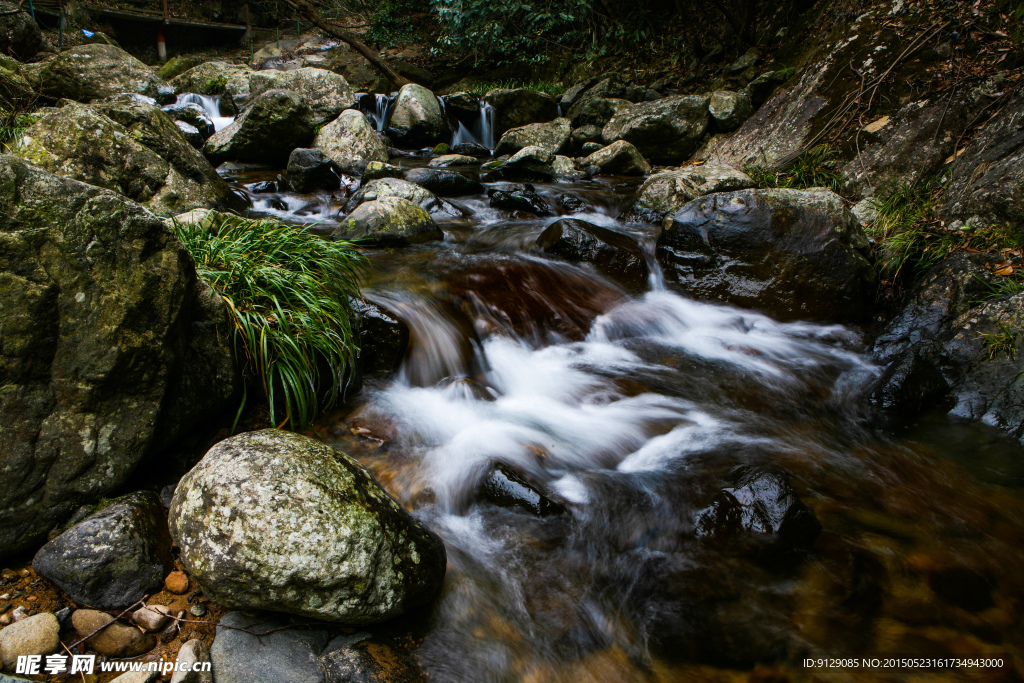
(287, 293)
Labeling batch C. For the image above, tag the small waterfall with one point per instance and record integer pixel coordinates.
(480, 131)
(377, 108)
(210, 104)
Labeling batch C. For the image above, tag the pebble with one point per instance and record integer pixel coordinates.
(177, 582)
(151, 618)
(5, 619)
(192, 652)
(20, 613)
(36, 635)
(4, 606)
(116, 640)
(198, 610)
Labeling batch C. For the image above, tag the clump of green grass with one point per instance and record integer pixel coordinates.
(548, 87)
(287, 293)
(13, 126)
(817, 167)
(1003, 342)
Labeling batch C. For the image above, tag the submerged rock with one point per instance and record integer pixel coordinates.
(351, 142)
(793, 253)
(508, 489)
(388, 222)
(417, 119)
(444, 183)
(615, 255)
(524, 198)
(665, 131)
(304, 529)
(277, 122)
(113, 348)
(551, 136)
(92, 72)
(112, 558)
(666, 192)
(618, 158)
(383, 338)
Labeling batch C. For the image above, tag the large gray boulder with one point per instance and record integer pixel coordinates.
(552, 136)
(277, 122)
(111, 346)
(388, 222)
(327, 93)
(729, 109)
(113, 557)
(210, 78)
(514, 107)
(273, 520)
(597, 111)
(416, 118)
(130, 147)
(351, 142)
(796, 254)
(92, 72)
(666, 192)
(665, 131)
(405, 189)
(20, 36)
(618, 158)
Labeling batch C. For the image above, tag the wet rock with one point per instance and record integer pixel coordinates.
(131, 309)
(36, 635)
(351, 142)
(416, 118)
(129, 147)
(112, 558)
(618, 158)
(763, 505)
(399, 187)
(92, 72)
(191, 134)
(520, 106)
(336, 547)
(666, 192)
(326, 93)
(383, 338)
(729, 109)
(359, 659)
(523, 198)
(590, 147)
(379, 169)
(310, 169)
(264, 187)
(962, 587)
(210, 78)
(793, 253)
(464, 103)
(597, 111)
(192, 114)
(665, 131)
(20, 36)
(572, 204)
(289, 655)
(277, 122)
(192, 654)
(471, 149)
(552, 136)
(388, 222)
(115, 639)
(615, 255)
(505, 488)
(444, 183)
(529, 163)
(446, 160)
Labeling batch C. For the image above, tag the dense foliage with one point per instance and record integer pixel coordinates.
(287, 292)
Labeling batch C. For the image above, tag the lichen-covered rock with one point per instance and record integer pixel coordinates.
(552, 136)
(20, 36)
(612, 253)
(446, 160)
(130, 147)
(398, 187)
(388, 222)
(210, 78)
(416, 118)
(665, 131)
(272, 520)
(327, 93)
(793, 253)
(111, 347)
(618, 158)
(92, 72)
(729, 109)
(113, 557)
(519, 106)
(351, 142)
(666, 192)
(529, 163)
(597, 111)
(277, 122)
(380, 169)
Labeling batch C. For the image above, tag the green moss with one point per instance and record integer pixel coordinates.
(214, 86)
(441, 149)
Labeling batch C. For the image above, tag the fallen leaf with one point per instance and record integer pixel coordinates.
(1008, 270)
(955, 154)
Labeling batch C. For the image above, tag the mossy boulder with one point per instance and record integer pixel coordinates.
(514, 107)
(416, 118)
(327, 93)
(272, 520)
(552, 136)
(389, 222)
(111, 346)
(351, 142)
(177, 65)
(666, 192)
(406, 189)
(130, 147)
(277, 122)
(93, 72)
(666, 131)
(209, 78)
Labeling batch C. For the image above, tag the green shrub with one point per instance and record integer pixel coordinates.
(287, 294)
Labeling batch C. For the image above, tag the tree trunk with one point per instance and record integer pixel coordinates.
(307, 10)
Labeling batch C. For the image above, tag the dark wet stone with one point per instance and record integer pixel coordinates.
(192, 114)
(572, 204)
(762, 503)
(471, 149)
(962, 587)
(290, 655)
(506, 488)
(264, 187)
(444, 183)
(361, 659)
(113, 557)
(524, 198)
(383, 338)
(311, 169)
(616, 255)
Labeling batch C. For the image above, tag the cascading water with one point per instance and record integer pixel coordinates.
(211, 105)
(480, 131)
(377, 108)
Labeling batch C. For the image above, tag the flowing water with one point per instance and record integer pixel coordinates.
(211, 104)
(630, 409)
